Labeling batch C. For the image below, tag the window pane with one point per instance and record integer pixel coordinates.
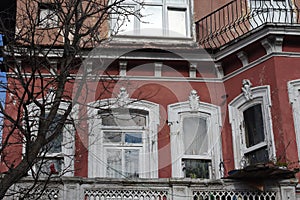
(132, 162)
(126, 117)
(112, 137)
(176, 1)
(49, 166)
(54, 146)
(48, 17)
(114, 163)
(177, 22)
(258, 156)
(125, 23)
(133, 138)
(196, 168)
(151, 21)
(254, 127)
(195, 136)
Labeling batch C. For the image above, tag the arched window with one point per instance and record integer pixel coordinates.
(195, 138)
(250, 118)
(57, 157)
(123, 139)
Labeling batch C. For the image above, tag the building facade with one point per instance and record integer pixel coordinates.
(198, 100)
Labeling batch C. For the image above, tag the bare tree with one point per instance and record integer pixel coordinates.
(44, 50)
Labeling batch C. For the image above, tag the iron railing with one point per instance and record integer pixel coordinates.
(239, 17)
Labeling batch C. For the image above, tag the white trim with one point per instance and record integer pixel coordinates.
(260, 95)
(68, 145)
(213, 116)
(294, 98)
(149, 160)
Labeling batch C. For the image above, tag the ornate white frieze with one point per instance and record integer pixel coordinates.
(247, 89)
(194, 100)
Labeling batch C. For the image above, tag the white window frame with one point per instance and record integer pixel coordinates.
(68, 145)
(260, 95)
(294, 98)
(149, 151)
(187, 7)
(212, 115)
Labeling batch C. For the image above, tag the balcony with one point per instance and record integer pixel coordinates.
(240, 18)
(156, 189)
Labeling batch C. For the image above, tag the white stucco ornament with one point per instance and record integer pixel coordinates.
(194, 100)
(246, 88)
(123, 97)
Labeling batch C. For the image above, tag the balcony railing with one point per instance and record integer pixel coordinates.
(157, 189)
(240, 17)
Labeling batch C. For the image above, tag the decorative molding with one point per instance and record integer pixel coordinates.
(219, 68)
(89, 66)
(194, 100)
(243, 58)
(157, 69)
(193, 70)
(277, 30)
(50, 95)
(246, 88)
(122, 68)
(273, 44)
(123, 97)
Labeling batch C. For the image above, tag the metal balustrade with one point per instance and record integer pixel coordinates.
(240, 17)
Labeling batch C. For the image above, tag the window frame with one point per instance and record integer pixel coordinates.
(165, 7)
(260, 95)
(48, 22)
(68, 143)
(294, 98)
(148, 159)
(211, 113)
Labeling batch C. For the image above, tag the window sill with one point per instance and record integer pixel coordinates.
(140, 39)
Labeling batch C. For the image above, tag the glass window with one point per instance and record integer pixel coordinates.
(257, 156)
(52, 158)
(196, 143)
(114, 163)
(158, 18)
(151, 20)
(122, 163)
(123, 117)
(254, 126)
(196, 168)
(255, 135)
(195, 136)
(48, 17)
(123, 131)
(177, 22)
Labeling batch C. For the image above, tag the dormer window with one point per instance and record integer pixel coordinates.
(166, 18)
